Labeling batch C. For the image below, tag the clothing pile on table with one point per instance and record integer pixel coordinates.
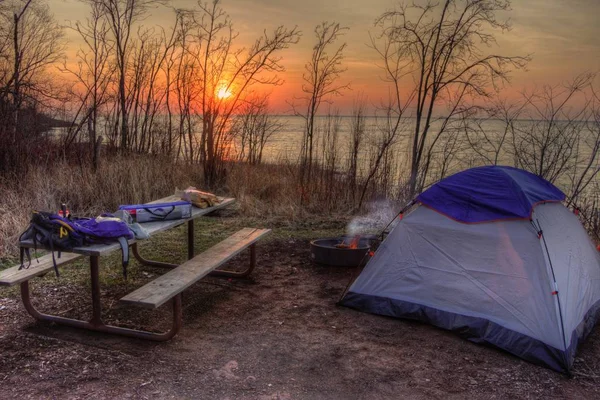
(197, 197)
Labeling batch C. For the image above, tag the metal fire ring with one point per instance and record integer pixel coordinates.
(325, 252)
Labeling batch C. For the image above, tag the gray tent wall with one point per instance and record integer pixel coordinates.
(491, 282)
(575, 264)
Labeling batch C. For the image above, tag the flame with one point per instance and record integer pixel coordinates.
(354, 242)
(353, 245)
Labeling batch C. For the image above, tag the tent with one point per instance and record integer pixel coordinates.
(492, 254)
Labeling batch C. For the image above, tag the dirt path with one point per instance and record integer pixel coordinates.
(278, 336)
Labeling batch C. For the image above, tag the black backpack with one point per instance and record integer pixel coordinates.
(51, 231)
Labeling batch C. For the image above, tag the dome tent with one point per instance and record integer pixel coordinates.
(492, 254)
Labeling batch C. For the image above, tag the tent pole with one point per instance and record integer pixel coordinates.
(555, 293)
(406, 207)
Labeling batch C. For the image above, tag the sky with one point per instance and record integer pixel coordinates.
(562, 37)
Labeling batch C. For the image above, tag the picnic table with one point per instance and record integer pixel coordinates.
(152, 295)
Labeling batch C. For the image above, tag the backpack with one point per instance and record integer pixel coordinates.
(58, 233)
(51, 231)
(106, 229)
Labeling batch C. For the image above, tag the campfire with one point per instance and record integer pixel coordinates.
(352, 243)
(344, 251)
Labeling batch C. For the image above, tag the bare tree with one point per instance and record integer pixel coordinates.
(18, 31)
(450, 154)
(488, 143)
(179, 72)
(389, 127)
(357, 135)
(255, 126)
(545, 144)
(226, 77)
(146, 91)
(93, 75)
(36, 45)
(320, 77)
(327, 174)
(585, 186)
(30, 41)
(587, 163)
(436, 49)
(122, 16)
(552, 132)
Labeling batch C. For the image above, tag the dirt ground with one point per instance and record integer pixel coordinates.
(278, 335)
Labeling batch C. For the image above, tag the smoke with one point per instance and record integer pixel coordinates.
(379, 214)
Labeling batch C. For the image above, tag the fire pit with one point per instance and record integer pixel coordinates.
(345, 251)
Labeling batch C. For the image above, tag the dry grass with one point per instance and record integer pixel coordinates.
(265, 190)
(275, 190)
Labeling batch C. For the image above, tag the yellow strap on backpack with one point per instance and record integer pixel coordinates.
(64, 229)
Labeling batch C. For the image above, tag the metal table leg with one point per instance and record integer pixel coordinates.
(96, 301)
(96, 324)
(149, 263)
(243, 274)
(160, 264)
(190, 232)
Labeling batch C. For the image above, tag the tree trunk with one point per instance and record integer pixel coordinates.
(16, 77)
(123, 101)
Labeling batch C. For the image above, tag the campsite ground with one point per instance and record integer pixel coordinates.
(279, 335)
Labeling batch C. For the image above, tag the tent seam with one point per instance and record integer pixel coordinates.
(557, 302)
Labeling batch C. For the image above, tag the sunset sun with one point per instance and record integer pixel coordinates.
(223, 93)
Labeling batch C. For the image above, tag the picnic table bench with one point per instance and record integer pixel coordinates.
(157, 292)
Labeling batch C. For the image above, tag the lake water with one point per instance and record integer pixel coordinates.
(450, 156)
(286, 143)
